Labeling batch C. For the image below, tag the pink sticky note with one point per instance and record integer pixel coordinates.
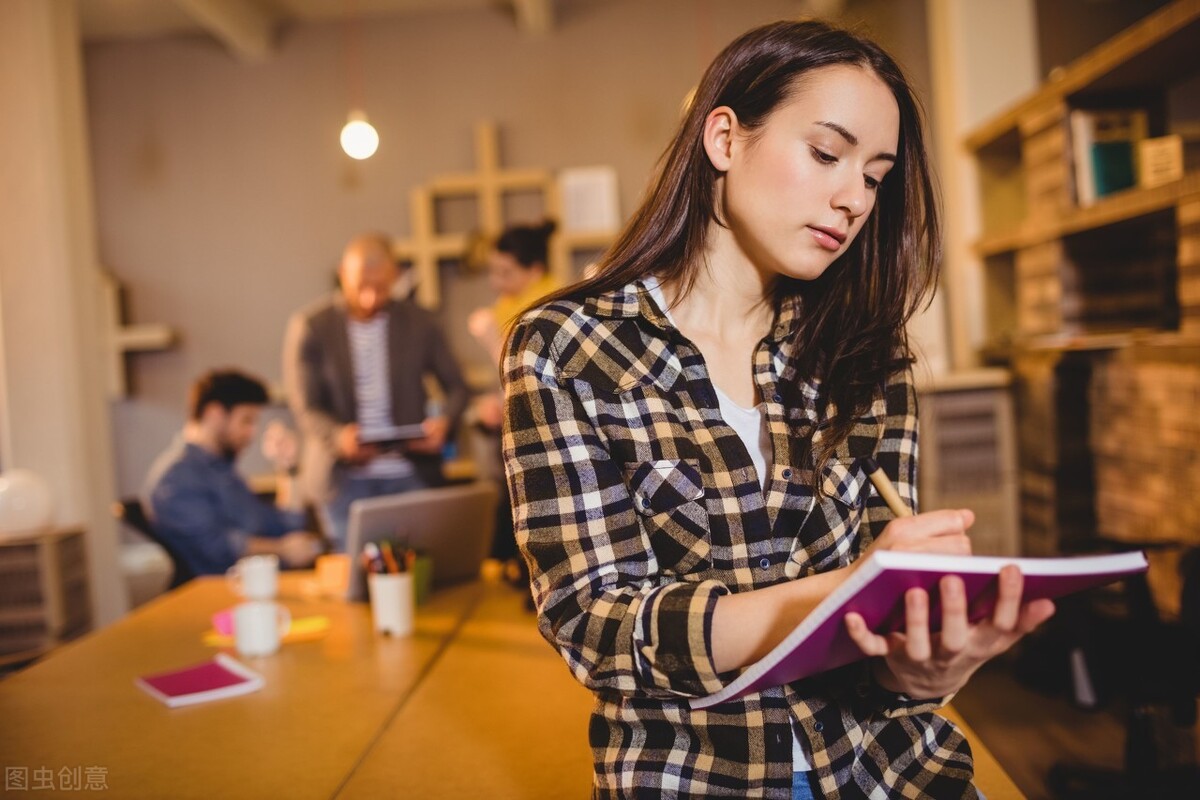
(222, 622)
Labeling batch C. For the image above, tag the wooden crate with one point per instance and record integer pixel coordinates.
(1145, 433)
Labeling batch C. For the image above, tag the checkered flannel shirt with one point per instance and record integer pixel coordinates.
(637, 507)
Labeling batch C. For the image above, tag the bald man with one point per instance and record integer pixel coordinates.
(354, 369)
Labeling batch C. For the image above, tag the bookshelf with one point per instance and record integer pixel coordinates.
(1093, 307)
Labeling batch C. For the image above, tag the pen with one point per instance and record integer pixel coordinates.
(388, 558)
(885, 488)
(374, 558)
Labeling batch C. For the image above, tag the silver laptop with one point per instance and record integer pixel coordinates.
(453, 525)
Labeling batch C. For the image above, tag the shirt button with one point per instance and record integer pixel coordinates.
(645, 502)
(765, 563)
(787, 474)
(820, 726)
(778, 397)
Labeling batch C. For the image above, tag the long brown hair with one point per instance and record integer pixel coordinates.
(852, 335)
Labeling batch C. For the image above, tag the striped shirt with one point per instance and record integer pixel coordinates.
(637, 507)
(372, 393)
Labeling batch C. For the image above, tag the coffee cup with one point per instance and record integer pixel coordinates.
(259, 626)
(255, 577)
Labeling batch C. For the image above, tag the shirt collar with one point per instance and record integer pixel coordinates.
(197, 453)
(633, 300)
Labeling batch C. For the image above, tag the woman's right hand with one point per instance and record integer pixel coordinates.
(942, 531)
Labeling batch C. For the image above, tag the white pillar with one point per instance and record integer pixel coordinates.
(983, 56)
(54, 416)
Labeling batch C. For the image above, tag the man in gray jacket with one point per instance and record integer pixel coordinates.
(354, 369)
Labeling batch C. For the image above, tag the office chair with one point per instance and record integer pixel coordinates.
(130, 512)
(1157, 665)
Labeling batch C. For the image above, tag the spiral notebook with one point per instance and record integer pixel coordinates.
(876, 590)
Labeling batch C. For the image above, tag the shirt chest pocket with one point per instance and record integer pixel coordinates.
(669, 497)
(833, 533)
(844, 491)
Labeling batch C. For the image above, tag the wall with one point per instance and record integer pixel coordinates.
(223, 199)
(54, 419)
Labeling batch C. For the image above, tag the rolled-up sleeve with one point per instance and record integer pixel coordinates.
(620, 624)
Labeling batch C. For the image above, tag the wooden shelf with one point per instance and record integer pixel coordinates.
(1160, 49)
(964, 380)
(1146, 339)
(1118, 207)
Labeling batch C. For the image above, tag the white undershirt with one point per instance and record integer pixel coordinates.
(373, 391)
(750, 424)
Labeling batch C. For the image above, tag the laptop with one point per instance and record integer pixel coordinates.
(453, 525)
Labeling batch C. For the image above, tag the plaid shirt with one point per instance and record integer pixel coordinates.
(637, 507)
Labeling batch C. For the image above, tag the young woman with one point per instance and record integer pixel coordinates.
(682, 435)
(518, 272)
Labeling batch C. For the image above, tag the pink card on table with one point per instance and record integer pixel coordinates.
(222, 676)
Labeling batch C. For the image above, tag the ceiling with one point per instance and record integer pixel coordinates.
(249, 28)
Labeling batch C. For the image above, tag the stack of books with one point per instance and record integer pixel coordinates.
(1053, 462)
(1187, 218)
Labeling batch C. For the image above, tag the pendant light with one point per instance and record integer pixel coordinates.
(359, 138)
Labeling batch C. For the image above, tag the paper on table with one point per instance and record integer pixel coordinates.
(302, 629)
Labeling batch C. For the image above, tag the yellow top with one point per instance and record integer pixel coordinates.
(506, 309)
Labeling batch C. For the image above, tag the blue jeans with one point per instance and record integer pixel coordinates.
(801, 787)
(335, 515)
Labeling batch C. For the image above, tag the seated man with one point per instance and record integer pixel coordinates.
(196, 499)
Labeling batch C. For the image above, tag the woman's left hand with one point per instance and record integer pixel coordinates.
(924, 665)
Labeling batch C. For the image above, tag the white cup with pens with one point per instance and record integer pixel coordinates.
(390, 588)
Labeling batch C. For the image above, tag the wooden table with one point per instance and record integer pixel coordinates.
(324, 704)
(474, 704)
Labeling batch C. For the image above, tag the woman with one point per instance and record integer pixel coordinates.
(518, 273)
(519, 276)
(682, 434)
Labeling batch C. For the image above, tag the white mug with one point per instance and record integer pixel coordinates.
(258, 627)
(391, 602)
(255, 577)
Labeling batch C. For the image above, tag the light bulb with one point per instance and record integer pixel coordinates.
(359, 138)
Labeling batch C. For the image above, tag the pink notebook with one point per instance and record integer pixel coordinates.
(223, 676)
(876, 591)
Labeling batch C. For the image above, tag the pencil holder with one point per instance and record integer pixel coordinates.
(392, 602)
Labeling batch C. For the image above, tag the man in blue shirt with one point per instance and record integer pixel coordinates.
(198, 502)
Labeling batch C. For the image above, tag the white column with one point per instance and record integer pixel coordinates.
(983, 56)
(54, 416)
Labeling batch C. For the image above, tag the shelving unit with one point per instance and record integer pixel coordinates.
(1082, 300)
(44, 594)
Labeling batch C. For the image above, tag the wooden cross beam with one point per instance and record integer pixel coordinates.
(487, 184)
(123, 339)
